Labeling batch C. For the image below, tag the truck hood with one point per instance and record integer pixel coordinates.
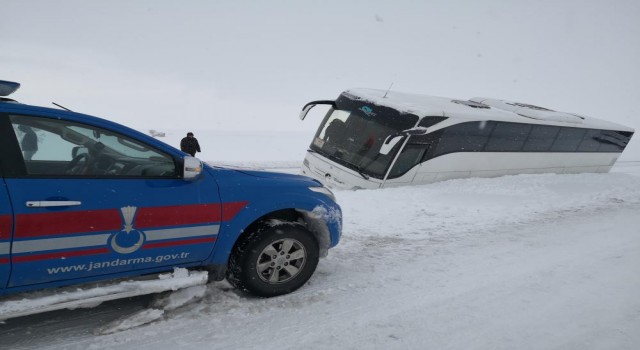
(268, 175)
(278, 176)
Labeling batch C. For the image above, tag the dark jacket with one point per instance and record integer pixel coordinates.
(29, 141)
(190, 145)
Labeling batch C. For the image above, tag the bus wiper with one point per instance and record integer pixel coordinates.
(364, 176)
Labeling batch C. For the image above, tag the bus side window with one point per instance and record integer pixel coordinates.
(410, 157)
(568, 139)
(430, 121)
(589, 142)
(508, 137)
(613, 141)
(464, 137)
(541, 138)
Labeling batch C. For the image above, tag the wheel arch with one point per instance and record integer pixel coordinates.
(312, 222)
(323, 219)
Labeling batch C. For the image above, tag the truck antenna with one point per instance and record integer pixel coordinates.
(62, 107)
(385, 94)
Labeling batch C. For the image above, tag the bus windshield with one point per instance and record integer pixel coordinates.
(352, 134)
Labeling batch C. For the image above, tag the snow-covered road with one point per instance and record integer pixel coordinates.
(519, 262)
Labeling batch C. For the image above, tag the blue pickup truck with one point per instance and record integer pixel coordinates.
(84, 200)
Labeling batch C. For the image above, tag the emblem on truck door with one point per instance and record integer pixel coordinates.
(129, 239)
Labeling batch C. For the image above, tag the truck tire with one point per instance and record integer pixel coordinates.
(275, 259)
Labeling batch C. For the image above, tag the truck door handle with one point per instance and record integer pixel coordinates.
(39, 204)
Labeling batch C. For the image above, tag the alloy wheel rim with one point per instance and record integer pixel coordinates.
(281, 261)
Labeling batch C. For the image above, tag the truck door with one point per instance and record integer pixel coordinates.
(92, 201)
(6, 225)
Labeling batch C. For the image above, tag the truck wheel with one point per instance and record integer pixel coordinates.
(273, 260)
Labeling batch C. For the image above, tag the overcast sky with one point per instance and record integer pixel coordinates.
(253, 64)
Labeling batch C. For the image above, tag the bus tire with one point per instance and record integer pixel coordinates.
(273, 260)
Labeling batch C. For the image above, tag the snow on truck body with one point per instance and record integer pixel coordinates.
(373, 139)
(94, 201)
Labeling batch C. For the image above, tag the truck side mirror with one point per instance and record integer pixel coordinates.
(192, 168)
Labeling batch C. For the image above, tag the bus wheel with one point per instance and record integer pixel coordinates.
(273, 260)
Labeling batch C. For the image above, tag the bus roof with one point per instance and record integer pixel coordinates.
(478, 108)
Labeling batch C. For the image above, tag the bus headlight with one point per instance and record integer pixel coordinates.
(327, 192)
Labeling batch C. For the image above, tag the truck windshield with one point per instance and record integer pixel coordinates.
(353, 132)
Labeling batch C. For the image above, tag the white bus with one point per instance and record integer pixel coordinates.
(375, 139)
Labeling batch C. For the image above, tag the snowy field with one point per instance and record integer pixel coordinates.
(518, 262)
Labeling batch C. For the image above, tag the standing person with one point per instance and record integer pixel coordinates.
(190, 144)
(29, 143)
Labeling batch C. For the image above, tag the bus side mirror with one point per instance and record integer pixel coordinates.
(308, 106)
(416, 131)
(304, 111)
(192, 168)
(389, 143)
(393, 139)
